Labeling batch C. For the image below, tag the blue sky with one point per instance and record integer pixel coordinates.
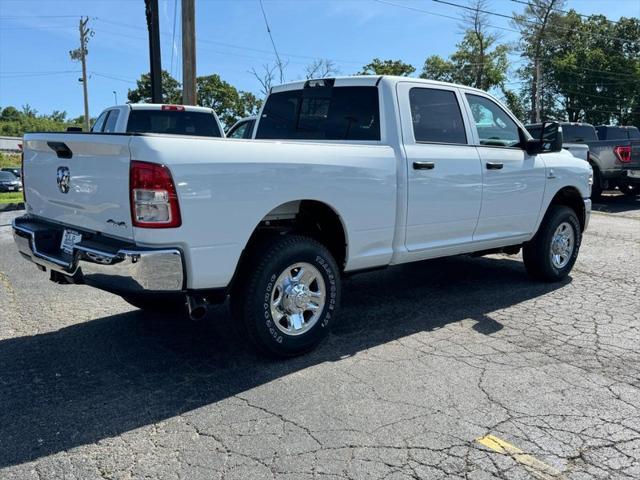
(36, 36)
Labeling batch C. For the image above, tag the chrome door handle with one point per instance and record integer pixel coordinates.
(424, 165)
(494, 165)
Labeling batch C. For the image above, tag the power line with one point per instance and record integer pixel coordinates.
(36, 74)
(275, 50)
(489, 12)
(563, 11)
(111, 77)
(428, 12)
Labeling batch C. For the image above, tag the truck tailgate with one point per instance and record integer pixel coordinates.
(80, 180)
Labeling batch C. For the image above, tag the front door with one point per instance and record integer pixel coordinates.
(444, 169)
(513, 180)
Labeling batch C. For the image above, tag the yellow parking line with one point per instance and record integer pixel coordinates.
(536, 467)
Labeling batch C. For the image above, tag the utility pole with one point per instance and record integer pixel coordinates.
(538, 87)
(80, 54)
(153, 25)
(188, 52)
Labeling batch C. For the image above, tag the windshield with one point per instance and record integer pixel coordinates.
(7, 177)
(202, 124)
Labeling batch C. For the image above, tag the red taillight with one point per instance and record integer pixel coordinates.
(173, 108)
(154, 201)
(623, 154)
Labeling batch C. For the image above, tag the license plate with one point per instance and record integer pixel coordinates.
(633, 173)
(11, 189)
(69, 239)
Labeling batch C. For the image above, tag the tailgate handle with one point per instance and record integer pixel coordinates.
(61, 149)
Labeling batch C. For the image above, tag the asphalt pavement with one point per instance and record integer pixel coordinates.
(455, 368)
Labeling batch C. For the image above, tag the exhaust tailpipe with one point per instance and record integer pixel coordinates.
(197, 307)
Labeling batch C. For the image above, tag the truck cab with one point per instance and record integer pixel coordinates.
(159, 118)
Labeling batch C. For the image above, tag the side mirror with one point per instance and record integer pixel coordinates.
(550, 140)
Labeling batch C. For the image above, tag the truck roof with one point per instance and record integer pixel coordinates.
(365, 81)
(158, 106)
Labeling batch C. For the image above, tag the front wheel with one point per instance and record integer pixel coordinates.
(552, 252)
(288, 295)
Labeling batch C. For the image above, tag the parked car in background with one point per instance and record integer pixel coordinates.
(9, 182)
(628, 154)
(243, 128)
(573, 135)
(349, 174)
(156, 118)
(609, 158)
(14, 170)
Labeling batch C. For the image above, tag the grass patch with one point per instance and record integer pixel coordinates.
(11, 197)
(9, 160)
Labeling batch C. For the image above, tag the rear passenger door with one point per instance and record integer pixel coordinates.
(444, 169)
(513, 180)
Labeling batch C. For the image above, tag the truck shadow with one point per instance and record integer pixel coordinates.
(616, 202)
(103, 377)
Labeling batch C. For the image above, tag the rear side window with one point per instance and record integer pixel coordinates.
(112, 119)
(242, 130)
(322, 113)
(201, 124)
(578, 133)
(634, 133)
(612, 133)
(436, 116)
(97, 127)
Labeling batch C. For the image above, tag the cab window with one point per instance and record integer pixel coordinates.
(495, 127)
(97, 127)
(322, 113)
(240, 131)
(436, 116)
(110, 123)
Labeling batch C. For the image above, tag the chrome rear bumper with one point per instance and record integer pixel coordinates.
(109, 266)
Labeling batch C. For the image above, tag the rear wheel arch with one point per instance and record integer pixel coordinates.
(312, 218)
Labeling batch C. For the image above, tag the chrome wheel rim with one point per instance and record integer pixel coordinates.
(562, 245)
(298, 298)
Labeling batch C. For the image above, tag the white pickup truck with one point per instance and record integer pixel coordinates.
(159, 118)
(345, 174)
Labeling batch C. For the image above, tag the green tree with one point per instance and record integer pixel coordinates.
(213, 92)
(515, 104)
(249, 105)
(539, 25)
(478, 60)
(10, 114)
(387, 67)
(171, 89)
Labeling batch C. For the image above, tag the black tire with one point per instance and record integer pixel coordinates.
(156, 303)
(255, 286)
(596, 188)
(537, 252)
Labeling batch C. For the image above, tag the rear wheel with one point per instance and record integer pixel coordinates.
(287, 297)
(156, 303)
(552, 252)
